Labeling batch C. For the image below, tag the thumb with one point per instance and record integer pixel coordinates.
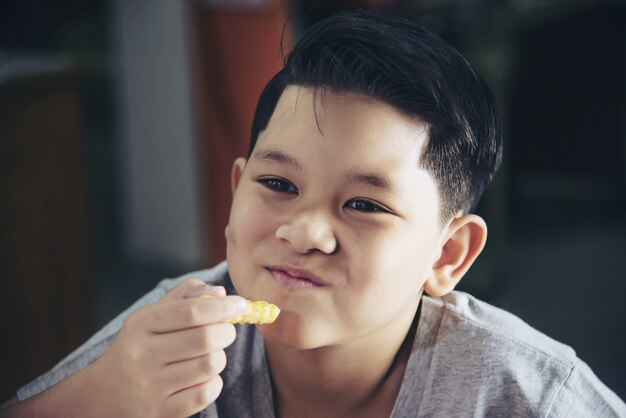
(192, 288)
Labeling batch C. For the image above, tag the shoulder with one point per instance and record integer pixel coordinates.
(464, 314)
(506, 366)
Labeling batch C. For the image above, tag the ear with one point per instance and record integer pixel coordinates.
(235, 176)
(464, 239)
(235, 173)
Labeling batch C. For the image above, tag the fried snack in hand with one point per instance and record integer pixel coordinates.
(259, 312)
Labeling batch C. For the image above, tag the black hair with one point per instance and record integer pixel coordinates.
(391, 59)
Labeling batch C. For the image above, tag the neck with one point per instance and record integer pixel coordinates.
(360, 378)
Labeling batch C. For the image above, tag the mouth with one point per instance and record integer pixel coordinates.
(294, 278)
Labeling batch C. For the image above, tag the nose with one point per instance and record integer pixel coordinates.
(307, 233)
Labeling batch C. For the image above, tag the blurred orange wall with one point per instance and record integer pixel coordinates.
(236, 52)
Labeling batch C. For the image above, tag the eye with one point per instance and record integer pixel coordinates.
(365, 206)
(279, 185)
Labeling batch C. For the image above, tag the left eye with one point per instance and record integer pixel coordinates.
(364, 206)
(279, 185)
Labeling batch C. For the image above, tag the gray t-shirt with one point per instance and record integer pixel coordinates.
(468, 359)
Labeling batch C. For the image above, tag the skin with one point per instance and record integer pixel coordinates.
(335, 187)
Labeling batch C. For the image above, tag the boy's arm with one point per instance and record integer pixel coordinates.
(165, 361)
(70, 397)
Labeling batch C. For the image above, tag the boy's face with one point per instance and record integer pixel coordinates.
(340, 229)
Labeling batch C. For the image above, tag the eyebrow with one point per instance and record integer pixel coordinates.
(372, 179)
(279, 157)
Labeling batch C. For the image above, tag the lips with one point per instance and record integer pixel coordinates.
(294, 278)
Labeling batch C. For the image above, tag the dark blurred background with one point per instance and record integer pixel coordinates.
(119, 120)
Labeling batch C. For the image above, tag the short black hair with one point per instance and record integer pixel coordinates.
(394, 60)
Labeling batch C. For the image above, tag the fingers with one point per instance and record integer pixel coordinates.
(167, 356)
(194, 371)
(203, 290)
(194, 399)
(194, 342)
(191, 288)
(186, 313)
(178, 291)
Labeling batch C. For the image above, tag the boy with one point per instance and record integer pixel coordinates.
(368, 152)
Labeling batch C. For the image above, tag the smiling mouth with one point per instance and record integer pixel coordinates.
(293, 280)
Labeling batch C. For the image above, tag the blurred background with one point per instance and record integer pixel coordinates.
(119, 120)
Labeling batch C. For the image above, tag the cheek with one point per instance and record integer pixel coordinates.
(240, 212)
(249, 224)
(241, 243)
(389, 262)
(236, 229)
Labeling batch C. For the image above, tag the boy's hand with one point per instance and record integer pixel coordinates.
(167, 357)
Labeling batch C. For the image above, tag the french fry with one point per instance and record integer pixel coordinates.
(259, 312)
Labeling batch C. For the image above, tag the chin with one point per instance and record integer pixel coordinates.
(290, 332)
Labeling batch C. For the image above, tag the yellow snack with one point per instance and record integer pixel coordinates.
(259, 312)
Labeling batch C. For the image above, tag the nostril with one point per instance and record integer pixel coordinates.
(308, 234)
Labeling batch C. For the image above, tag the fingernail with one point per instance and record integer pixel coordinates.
(217, 290)
(240, 304)
(213, 290)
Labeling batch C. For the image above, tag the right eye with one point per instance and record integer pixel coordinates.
(279, 185)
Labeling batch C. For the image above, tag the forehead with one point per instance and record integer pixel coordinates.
(353, 124)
